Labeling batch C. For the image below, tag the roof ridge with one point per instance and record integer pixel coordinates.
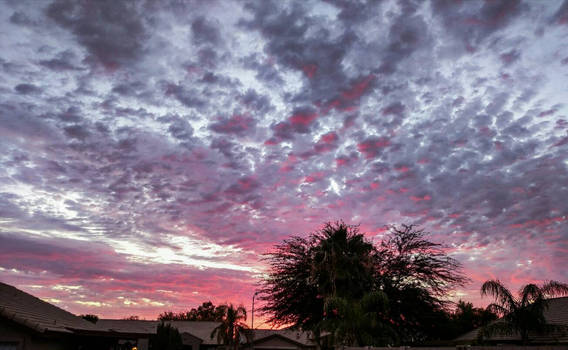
(38, 299)
(25, 308)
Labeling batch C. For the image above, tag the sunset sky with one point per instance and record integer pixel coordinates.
(152, 151)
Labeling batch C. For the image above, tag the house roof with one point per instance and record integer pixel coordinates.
(556, 314)
(34, 313)
(199, 329)
(41, 316)
(141, 327)
(300, 337)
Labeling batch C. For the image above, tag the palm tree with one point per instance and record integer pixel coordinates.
(358, 322)
(342, 261)
(524, 313)
(342, 270)
(232, 326)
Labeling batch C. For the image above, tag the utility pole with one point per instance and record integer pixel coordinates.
(252, 321)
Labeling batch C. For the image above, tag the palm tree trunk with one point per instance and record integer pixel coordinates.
(524, 337)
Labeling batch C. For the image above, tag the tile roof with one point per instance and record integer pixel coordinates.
(556, 314)
(41, 316)
(141, 327)
(296, 336)
(199, 329)
(34, 313)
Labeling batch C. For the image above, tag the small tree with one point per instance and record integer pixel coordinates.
(132, 318)
(167, 338)
(524, 313)
(232, 327)
(468, 317)
(90, 317)
(464, 318)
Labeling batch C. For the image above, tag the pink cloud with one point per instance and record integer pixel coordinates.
(330, 137)
(359, 88)
(303, 118)
(314, 177)
(418, 199)
(310, 70)
(372, 146)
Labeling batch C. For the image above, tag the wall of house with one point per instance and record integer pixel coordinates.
(40, 343)
(142, 344)
(190, 342)
(11, 334)
(27, 339)
(275, 343)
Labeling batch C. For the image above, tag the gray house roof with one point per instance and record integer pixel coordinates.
(31, 312)
(201, 329)
(556, 314)
(298, 337)
(34, 313)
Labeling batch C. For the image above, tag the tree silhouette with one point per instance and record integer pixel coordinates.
(358, 322)
(132, 318)
(523, 314)
(319, 283)
(334, 266)
(90, 317)
(167, 337)
(343, 271)
(466, 317)
(233, 327)
(205, 312)
(416, 275)
(342, 261)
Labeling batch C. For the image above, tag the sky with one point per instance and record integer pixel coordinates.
(152, 151)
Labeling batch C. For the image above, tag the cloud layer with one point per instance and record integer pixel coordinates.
(152, 151)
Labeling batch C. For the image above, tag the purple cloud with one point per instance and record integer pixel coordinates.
(162, 147)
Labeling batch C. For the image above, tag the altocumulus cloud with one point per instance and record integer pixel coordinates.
(152, 150)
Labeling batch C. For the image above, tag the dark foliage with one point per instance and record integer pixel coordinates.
(408, 260)
(466, 317)
(233, 330)
(206, 312)
(320, 283)
(90, 317)
(132, 318)
(289, 292)
(416, 274)
(167, 338)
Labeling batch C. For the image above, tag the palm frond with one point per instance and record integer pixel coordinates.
(530, 293)
(497, 309)
(555, 289)
(501, 294)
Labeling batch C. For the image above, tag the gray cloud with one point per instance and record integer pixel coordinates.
(238, 124)
(111, 31)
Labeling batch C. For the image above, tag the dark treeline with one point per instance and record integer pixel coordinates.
(206, 312)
